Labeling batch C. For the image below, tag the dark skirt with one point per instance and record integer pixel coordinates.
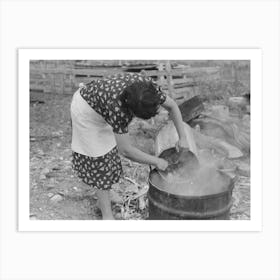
(100, 172)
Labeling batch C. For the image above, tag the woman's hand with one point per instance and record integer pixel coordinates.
(161, 164)
(127, 150)
(182, 143)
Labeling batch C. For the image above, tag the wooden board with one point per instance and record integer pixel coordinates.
(58, 77)
(194, 71)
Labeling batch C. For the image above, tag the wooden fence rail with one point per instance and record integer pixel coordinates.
(181, 83)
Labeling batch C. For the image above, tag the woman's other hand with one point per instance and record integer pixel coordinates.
(182, 143)
(161, 164)
(127, 150)
(175, 114)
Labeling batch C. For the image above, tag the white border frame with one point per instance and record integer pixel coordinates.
(24, 57)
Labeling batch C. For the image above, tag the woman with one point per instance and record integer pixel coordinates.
(101, 112)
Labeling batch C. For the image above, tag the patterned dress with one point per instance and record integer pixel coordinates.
(97, 113)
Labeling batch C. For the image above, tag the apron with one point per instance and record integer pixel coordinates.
(91, 134)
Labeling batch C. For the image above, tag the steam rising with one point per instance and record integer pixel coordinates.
(204, 180)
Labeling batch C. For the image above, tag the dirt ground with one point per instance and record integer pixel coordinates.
(55, 192)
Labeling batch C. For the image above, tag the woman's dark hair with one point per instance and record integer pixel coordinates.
(142, 99)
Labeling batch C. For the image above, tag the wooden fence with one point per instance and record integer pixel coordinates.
(64, 77)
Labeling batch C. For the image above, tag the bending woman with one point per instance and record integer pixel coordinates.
(101, 112)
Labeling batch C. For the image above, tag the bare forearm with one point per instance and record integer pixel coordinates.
(183, 130)
(135, 154)
(176, 117)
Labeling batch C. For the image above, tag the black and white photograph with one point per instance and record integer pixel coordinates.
(140, 139)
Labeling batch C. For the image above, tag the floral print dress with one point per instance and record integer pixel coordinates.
(97, 113)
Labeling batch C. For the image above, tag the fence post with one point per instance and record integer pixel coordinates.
(161, 77)
(169, 79)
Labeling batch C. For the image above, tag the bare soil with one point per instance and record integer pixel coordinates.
(55, 192)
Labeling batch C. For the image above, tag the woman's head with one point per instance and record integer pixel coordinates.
(142, 99)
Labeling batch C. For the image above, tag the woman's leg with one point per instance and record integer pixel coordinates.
(104, 203)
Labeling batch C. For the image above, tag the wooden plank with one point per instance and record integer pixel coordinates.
(139, 67)
(84, 72)
(183, 90)
(35, 81)
(169, 78)
(36, 88)
(96, 73)
(36, 75)
(179, 83)
(138, 62)
(52, 69)
(177, 86)
(98, 63)
(56, 79)
(193, 71)
(161, 79)
(182, 80)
